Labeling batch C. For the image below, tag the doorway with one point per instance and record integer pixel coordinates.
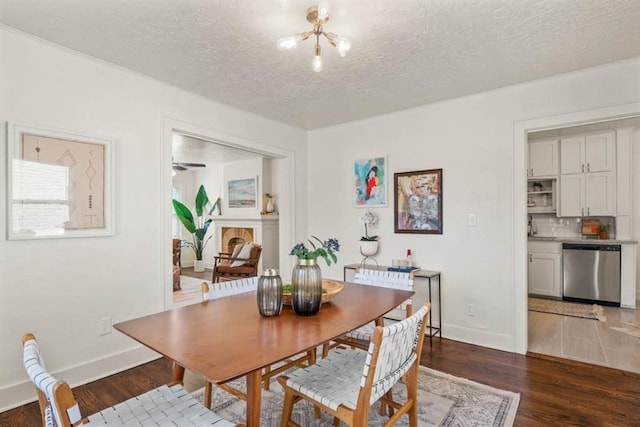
(521, 132)
(596, 334)
(202, 155)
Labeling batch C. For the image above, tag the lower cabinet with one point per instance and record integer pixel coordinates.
(545, 269)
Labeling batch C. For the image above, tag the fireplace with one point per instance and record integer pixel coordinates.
(263, 230)
(232, 236)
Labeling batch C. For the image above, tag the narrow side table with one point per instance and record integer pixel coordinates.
(427, 275)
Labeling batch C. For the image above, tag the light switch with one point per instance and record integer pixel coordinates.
(472, 220)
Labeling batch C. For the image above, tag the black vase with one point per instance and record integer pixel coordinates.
(306, 287)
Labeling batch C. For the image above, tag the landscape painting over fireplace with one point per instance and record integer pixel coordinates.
(242, 193)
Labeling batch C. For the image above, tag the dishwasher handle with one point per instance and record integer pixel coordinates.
(590, 247)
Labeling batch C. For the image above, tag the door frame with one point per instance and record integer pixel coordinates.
(286, 205)
(521, 129)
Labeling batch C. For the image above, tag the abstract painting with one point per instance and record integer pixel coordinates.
(418, 202)
(370, 188)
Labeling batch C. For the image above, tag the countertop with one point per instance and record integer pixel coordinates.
(583, 241)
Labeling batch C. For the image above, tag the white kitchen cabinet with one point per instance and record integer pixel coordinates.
(594, 152)
(543, 158)
(545, 269)
(588, 194)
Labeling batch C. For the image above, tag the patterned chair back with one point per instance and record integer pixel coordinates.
(393, 351)
(232, 287)
(50, 390)
(386, 279)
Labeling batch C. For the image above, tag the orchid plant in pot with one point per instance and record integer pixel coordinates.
(197, 224)
(369, 244)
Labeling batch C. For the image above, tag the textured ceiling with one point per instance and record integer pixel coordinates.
(404, 52)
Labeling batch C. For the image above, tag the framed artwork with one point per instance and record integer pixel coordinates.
(370, 182)
(418, 202)
(59, 184)
(242, 193)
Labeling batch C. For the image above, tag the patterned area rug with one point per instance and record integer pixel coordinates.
(444, 400)
(586, 311)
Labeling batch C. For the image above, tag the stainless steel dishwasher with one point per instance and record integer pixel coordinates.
(591, 273)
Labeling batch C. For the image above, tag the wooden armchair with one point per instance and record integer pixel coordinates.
(222, 266)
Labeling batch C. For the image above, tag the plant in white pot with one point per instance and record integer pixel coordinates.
(197, 225)
(369, 244)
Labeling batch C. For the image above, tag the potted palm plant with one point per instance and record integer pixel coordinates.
(197, 225)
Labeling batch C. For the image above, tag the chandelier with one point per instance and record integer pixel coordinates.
(318, 16)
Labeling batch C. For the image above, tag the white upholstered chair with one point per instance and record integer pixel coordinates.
(388, 279)
(165, 405)
(348, 381)
(250, 284)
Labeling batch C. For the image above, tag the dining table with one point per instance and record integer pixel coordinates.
(227, 338)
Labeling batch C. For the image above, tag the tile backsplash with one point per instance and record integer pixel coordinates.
(548, 225)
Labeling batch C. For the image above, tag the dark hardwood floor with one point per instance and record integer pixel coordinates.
(204, 275)
(553, 392)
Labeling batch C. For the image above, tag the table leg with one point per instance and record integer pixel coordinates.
(254, 379)
(430, 321)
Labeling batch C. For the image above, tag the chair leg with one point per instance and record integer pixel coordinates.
(412, 394)
(207, 394)
(287, 407)
(266, 381)
(384, 408)
(325, 350)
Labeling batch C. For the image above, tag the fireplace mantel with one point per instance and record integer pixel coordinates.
(262, 230)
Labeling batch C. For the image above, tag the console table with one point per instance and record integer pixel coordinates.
(419, 297)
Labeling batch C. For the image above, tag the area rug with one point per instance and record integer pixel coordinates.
(444, 400)
(629, 328)
(585, 311)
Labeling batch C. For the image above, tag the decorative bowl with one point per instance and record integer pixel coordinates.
(329, 290)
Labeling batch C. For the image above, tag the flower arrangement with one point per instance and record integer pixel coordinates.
(369, 218)
(325, 249)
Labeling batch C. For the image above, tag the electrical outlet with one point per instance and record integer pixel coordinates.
(469, 310)
(472, 220)
(105, 325)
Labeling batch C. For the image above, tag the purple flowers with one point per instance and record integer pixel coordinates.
(326, 250)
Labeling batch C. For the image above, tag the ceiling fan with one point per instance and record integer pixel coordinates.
(183, 166)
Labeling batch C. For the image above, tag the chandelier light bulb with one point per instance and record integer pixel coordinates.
(291, 42)
(343, 45)
(323, 10)
(316, 64)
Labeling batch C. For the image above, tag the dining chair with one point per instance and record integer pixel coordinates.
(166, 405)
(348, 381)
(221, 289)
(389, 279)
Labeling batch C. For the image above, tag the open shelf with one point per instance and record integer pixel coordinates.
(542, 194)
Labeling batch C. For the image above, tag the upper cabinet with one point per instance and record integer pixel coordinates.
(594, 152)
(588, 179)
(543, 158)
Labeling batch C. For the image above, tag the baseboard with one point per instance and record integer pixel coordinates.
(502, 342)
(21, 393)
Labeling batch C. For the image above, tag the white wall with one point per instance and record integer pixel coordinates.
(60, 288)
(472, 140)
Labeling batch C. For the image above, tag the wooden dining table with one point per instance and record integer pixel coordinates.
(226, 338)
